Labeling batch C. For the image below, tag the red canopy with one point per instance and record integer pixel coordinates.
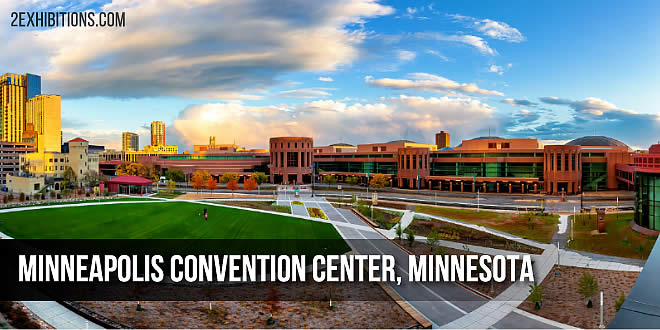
(134, 180)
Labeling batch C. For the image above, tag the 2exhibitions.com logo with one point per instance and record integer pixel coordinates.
(67, 19)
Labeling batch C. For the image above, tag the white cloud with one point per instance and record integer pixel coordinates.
(496, 69)
(328, 79)
(437, 54)
(491, 28)
(429, 82)
(406, 55)
(477, 42)
(200, 49)
(328, 121)
(304, 93)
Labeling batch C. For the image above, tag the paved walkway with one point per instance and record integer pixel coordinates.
(54, 313)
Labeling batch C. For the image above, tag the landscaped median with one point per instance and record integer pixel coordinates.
(316, 213)
(532, 226)
(618, 240)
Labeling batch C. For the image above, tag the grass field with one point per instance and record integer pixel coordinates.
(162, 220)
(540, 228)
(620, 240)
(243, 232)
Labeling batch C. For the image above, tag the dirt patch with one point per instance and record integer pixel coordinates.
(536, 227)
(456, 233)
(383, 313)
(563, 303)
(16, 315)
(266, 205)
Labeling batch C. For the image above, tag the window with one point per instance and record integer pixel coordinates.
(374, 148)
(408, 161)
(506, 145)
(558, 162)
(573, 162)
(414, 161)
(552, 162)
(383, 148)
(295, 145)
(492, 145)
(292, 159)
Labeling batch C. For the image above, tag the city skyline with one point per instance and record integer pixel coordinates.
(362, 72)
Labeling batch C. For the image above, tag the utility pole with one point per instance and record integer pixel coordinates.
(478, 200)
(602, 324)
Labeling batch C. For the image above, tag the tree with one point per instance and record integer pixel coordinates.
(588, 287)
(11, 197)
(69, 177)
(379, 180)
(250, 184)
(228, 176)
(5, 199)
(399, 231)
(259, 177)
(171, 185)
(536, 295)
(175, 175)
(352, 180)
(198, 183)
(232, 185)
(135, 169)
(202, 174)
(91, 178)
(410, 236)
(21, 197)
(329, 179)
(433, 239)
(211, 184)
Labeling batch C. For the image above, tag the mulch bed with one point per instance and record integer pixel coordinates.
(562, 303)
(461, 234)
(378, 313)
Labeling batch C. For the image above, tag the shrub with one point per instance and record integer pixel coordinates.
(536, 295)
(282, 208)
(620, 302)
(21, 197)
(43, 196)
(5, 199)
(59, 196)
(297, 203)
(410, 236)
(52, 194)
(11, 197)
(588, 287)
(317, 213)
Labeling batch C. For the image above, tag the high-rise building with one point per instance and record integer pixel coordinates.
(130, 141)
(442, 140)
(43, 113)
(157, 133)
(15, 90)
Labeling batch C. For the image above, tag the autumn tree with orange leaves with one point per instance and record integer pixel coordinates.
(250, 184)
(211, 184)
(232, 185)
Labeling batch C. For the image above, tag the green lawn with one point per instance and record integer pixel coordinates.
(258, 233)
(162, 220)
(620, 240)
(168, 194)
(540, 228)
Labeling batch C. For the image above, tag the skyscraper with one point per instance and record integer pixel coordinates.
(43, 112)
(157, 133)
(15, 90)
(130, 141)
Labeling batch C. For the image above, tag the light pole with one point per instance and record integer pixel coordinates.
(602, 324)
(478, 200)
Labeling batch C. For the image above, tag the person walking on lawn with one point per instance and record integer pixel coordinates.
(206, 215)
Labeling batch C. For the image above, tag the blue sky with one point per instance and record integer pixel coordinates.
(356, 71)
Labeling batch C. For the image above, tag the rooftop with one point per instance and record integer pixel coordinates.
(596, 141)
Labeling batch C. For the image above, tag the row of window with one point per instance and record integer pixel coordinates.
(556, 159)
(417, 161)
(356, 156)
(293, 158)
(522, 170)
(288, 145)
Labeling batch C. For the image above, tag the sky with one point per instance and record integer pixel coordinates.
(353, 71)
